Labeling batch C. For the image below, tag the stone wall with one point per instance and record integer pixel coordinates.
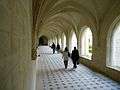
(99, 58)
(16, 67)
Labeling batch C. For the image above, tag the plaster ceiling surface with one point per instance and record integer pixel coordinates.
(52, 17)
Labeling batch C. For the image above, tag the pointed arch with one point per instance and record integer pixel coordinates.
(86, 43)
(73, 40)
(113, 45)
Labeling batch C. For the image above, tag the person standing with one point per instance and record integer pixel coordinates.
(58, 47)
(75, 57)
(53, 47)
(65, 57)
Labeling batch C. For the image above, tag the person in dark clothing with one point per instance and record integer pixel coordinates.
(58, 47)
(75, 57)
(53, 47)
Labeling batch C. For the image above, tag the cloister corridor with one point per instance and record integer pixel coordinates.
(28, 28)
(51, 74)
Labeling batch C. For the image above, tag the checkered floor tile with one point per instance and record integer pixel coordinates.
(51, 74)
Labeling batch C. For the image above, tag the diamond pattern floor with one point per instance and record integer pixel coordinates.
(51, 75)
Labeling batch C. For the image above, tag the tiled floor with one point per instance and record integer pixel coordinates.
(51, 75)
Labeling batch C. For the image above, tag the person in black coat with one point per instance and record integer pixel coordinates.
(75, 57)
(53, 47)
(58, 48)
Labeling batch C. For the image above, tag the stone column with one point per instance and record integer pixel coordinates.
(62, 42)
(34, 48)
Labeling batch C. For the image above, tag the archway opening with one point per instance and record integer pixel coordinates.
(55, 41)
(73, 41)
(86, 43)
(43, 40)
(60, 42)
(64, 41)
(115, 47)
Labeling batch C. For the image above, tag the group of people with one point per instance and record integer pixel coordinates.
(55, 48)
(74, 55)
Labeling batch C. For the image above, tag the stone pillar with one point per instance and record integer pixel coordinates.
(78, 41)
(17, 70)
(79, 44)
(57, 39)
(34, 46)
(62, 42)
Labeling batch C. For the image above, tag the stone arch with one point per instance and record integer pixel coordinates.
(86, 42)
(63, 41)
(55, 40)
(73, 40)
(111, 44)
(43, 40)
(59, 40)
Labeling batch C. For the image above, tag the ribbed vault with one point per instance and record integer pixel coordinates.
(53, 17)
(64, 10)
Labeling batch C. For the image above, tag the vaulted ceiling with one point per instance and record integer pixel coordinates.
(52, 17)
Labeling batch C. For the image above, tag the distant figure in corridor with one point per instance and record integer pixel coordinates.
(65, 57)
(53, 47)
(75, 57)
(58, 48)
